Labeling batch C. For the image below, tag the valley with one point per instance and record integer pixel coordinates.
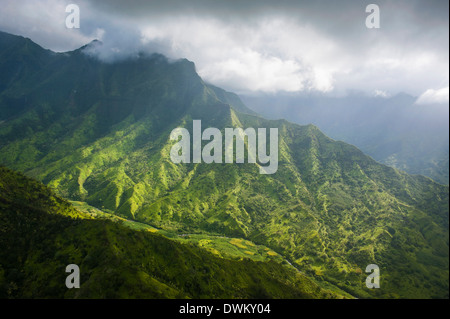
(98, 134)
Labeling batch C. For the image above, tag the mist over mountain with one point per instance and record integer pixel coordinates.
(98, 134)
(395, 130)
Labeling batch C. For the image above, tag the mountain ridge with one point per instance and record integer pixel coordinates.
(329, 208)
(39, 241)
(394, 130)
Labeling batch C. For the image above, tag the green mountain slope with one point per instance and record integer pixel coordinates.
(394, 131)
(99, 133)
(39, 240)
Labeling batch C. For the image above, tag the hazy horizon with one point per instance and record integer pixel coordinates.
(264, 48)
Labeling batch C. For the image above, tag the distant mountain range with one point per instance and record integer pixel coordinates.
(393, 130)
(98, 134)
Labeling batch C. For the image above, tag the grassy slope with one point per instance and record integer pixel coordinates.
(39, 240)
(329, 209)
(394, 131)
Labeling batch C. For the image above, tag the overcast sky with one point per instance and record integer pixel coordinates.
(250, 46)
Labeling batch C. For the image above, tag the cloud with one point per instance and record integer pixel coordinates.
(431, 96)
(44, 22)
(258, 57)
(252, 46)
(380, 93)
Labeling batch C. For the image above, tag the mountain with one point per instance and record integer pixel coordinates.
(38, 241)
(98, 133)
(393, 130)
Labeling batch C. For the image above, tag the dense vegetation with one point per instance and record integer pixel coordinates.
(40, 234)
(393, 130)
(99, 133)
